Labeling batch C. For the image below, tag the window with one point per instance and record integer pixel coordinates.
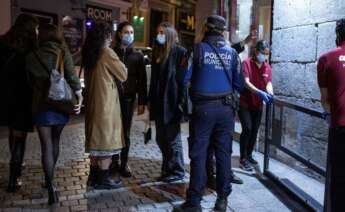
(246, 15)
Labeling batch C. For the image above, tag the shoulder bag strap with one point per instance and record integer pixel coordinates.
(80, 70)
(60, 61)
(223, 63)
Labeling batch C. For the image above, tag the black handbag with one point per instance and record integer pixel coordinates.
(60, 95)
(148, 134)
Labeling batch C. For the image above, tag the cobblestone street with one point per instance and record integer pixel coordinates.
(140, 193)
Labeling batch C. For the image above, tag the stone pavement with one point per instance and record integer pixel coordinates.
(140, 193)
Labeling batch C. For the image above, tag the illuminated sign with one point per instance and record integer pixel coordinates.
(98, 13)
(186, 21)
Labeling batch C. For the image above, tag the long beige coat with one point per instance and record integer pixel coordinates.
(103, 127)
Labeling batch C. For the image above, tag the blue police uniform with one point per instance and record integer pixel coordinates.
(211, 116)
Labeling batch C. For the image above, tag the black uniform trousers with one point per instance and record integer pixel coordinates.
(210, 118)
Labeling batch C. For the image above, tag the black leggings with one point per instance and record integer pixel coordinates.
(250, 122)
(50, 139)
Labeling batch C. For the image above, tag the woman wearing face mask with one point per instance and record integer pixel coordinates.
(165, 96)
(136, 84)
(103, 126)
(258, 80)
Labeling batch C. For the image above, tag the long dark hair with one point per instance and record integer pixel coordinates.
(161, 53)
(340, 29)
(119, 31)
(22, 35)
(93, 44)
(259, 46)
(50, 32)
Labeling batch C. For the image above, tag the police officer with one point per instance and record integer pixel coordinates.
(211, 162)
(216, 75)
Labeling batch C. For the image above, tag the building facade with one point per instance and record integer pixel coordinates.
(70, 15)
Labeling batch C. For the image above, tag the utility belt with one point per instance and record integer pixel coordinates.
(231, 99)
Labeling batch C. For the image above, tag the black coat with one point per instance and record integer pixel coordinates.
(16, 92)
(136, 82)
(166, 87)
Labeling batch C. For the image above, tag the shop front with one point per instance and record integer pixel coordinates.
(73, 17)
(185, 25)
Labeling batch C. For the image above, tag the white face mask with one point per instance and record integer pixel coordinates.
(161, 39)
(261, 58)
(127, 39)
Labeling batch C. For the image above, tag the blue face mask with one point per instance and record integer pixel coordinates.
(127, 39)
(161, 39)
(261, 58)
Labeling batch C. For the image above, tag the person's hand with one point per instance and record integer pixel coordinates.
(271, 100)
(77, 107)
(267, 98)
(327, 117)
(252, 36)
(141, 109)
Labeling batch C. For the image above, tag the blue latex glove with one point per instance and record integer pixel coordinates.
(327, 117)
(267, 98)
(272, 99)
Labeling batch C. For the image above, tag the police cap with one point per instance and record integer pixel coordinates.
(216, 22)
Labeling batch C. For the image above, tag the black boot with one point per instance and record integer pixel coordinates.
(221, 204)
(13, 183)
(187, 207)
(115, 164)
(104, 180)
(125, 171)
(17, 149)
(92, 178)
(53, 196)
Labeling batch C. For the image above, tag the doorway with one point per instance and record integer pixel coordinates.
(156, 17)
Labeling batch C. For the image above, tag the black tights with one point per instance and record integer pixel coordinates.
(50, 139)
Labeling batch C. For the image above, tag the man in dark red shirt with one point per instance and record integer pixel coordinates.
(331, 79)
(258, 80)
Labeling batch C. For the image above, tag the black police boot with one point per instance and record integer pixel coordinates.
(236, 180)
(92, 178)
(187, 207)
(221, 204)
(104, 180)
